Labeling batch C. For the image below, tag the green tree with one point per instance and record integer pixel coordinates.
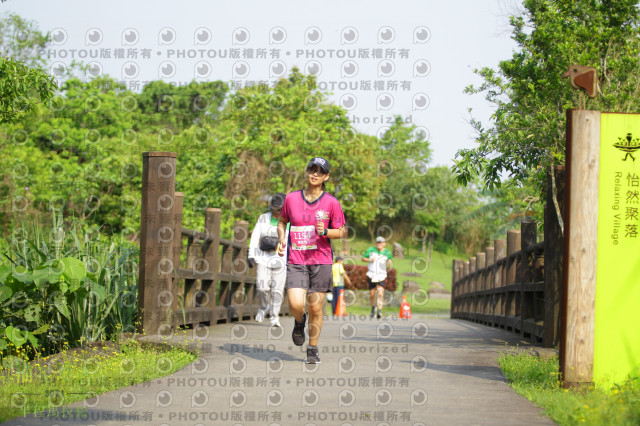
(262, 142)
(403, 165)
(21, 40)
(526, 135)
(23, 84)
(180, 107)
(22, 89)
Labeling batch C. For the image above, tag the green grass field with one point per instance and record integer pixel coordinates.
(414, 262)
(75, 375)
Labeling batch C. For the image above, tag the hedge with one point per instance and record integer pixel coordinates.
(358, 276)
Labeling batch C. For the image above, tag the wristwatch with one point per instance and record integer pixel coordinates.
(324, 232)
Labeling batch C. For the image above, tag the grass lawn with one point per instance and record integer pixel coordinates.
(414, 262)
(537, 379)
(76, 375)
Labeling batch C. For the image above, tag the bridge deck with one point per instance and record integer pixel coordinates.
(373, 372)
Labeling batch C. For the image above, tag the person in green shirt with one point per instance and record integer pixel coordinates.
(379, 259)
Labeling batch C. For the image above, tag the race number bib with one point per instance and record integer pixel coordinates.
(303, 237)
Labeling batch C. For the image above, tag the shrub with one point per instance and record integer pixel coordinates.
(358, 276)
(77, 288)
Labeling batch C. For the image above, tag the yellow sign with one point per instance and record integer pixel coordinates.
(617, 305)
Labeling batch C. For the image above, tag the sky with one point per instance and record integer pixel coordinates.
(377, 59)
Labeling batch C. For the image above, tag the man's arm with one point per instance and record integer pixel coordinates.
(282, 236)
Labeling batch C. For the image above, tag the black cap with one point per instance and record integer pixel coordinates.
(277, 201)
(339, 258)
(320, 162)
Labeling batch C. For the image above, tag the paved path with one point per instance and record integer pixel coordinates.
(374, 372)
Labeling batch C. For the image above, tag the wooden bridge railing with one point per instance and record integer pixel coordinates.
(512, 285)
(213, 284)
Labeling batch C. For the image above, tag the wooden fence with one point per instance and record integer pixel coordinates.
(513, 285)
(214, 283)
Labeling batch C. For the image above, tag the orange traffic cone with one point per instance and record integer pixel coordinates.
(405, 308)
(341, 308)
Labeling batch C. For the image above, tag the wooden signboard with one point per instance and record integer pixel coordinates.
(600, 340)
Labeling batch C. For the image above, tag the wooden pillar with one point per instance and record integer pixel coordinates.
(490, 264)
(481, 259)
(528, 238)
(489, 282)
(177, 286)
(513, 245)
(481, 263)
(500, 276)
(156, 242)
(465, 290)
(553, 243)
(239, 267)
(472, 287)
(581, 242)
(211, 256)
(191, 264)
(454, 282)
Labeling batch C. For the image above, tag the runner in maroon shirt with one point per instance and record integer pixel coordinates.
(315, 217)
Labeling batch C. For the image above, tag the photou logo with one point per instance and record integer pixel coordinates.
(312, 35)
(349, 35)
(93, 36)
(166, 36)
(130, 37)
(202, 36)
(58, 36)
(240, 35)
(421, 34)
(277, 35)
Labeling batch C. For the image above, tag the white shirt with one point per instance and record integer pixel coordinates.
(263, 228)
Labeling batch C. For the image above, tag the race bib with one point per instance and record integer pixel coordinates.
(303, 237)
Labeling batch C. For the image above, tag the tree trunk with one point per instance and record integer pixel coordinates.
(372, 230)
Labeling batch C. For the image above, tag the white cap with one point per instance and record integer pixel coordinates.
(380, 240)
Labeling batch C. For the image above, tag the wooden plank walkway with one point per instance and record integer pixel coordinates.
(422, 371)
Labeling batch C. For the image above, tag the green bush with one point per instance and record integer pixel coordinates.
(358, 276)
(76, 286)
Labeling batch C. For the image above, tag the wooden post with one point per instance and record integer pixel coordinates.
(190, 285)
(239, 267)
(553, 243)
(465, 290)
(528, 238)
(499, 253)
(226, 286)
(472, 287)
(459, 268)
(489, 282)
(156, 243)
(177, 289)
(580, 247)
(481, 259)
(491, 259)
(513, 245)
(211, 257)
(454, 282)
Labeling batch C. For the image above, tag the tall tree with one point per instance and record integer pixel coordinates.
(403, 165)
(23, 83)
(21, 40)
(265, 136)
(526, 134)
